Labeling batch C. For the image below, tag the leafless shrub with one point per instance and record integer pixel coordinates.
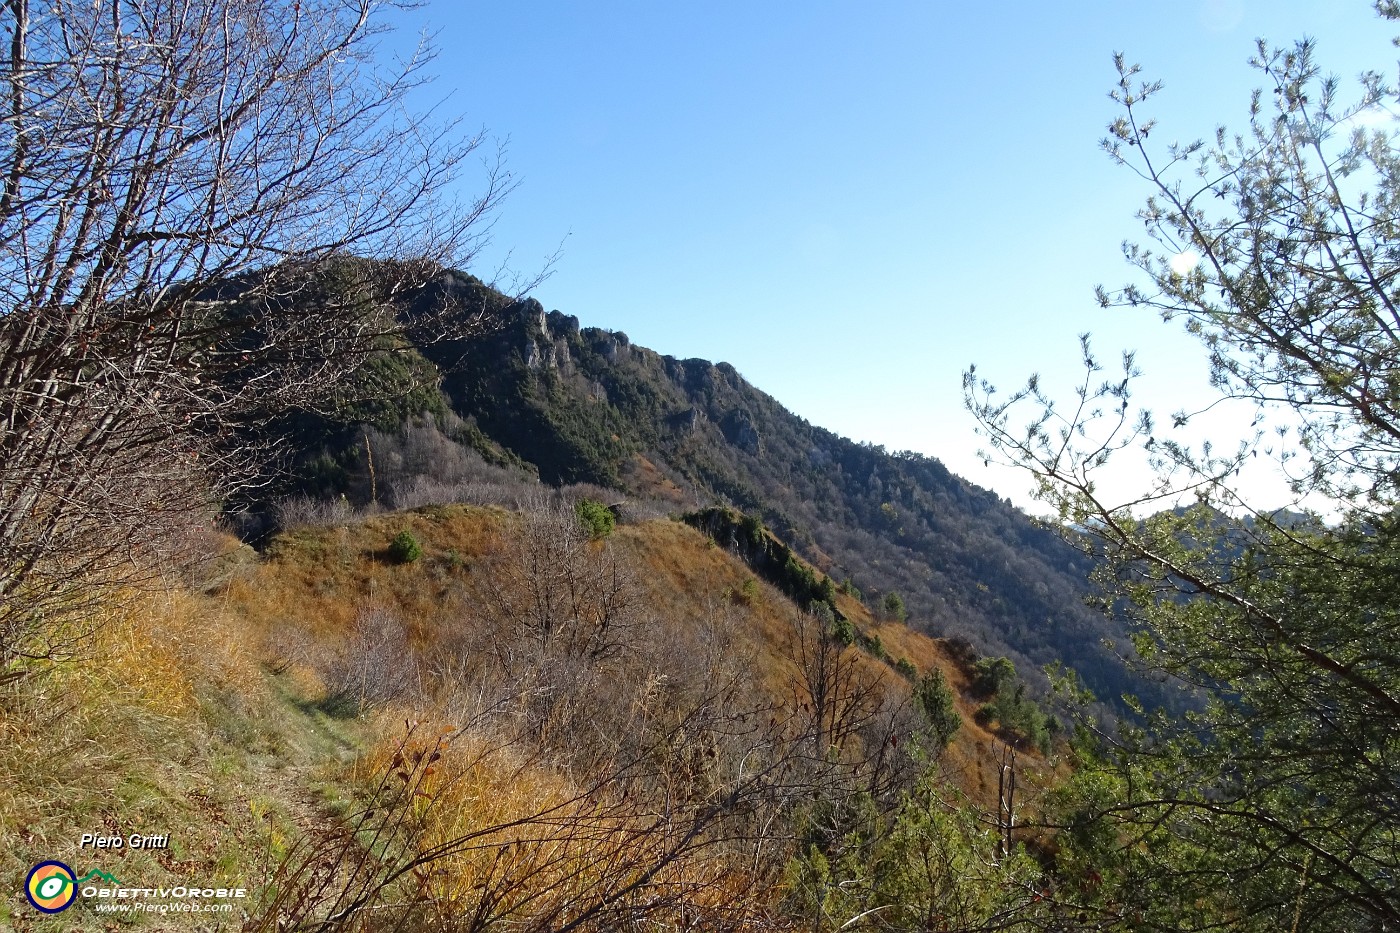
(551, 587)
(600, 851)
(606, 772)
(309, 512)
(629, 510)
(895, 740)
(417, 491)
(289, 646)
(375, 663)
(575, 491)
(636, 511)
(830, 687)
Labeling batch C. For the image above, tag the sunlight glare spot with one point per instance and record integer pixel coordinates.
(1183, 262)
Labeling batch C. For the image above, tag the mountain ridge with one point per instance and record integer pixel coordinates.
(573, 404)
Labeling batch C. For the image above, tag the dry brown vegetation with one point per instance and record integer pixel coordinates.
(520, 725)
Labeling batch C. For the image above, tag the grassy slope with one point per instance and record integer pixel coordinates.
(206, 716)
(172, 725)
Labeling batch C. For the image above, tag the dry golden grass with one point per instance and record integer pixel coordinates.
(684, 568)
(523, 837)
(685, 572)
(507, 839)
(122, 742)
(500, 817)
(199, 715)
(317, 579)
(643, 476)
(316, 576)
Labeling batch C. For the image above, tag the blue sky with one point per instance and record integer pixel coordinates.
(852, 202)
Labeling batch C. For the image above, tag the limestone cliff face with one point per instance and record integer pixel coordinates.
(688, 421)
(740, 431)
(538, 347)
(613, 346)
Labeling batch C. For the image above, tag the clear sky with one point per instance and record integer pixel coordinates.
(851, 202)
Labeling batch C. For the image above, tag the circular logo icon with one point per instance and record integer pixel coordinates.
(51, 887)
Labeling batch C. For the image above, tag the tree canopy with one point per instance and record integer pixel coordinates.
(1278, 246)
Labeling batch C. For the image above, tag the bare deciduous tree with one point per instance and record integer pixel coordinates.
(558, 590)
(839, 701)
(188, 192)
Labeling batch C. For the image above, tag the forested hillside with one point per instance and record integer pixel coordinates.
(572, 405)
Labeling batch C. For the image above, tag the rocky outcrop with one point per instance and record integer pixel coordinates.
(739, 430)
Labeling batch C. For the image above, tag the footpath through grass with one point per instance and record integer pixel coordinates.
(179, 736)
